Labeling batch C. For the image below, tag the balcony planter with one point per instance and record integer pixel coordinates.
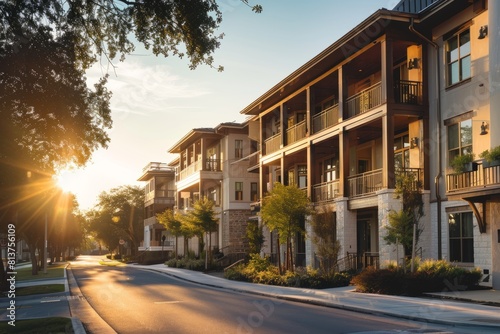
(464, 163)
(491, 157)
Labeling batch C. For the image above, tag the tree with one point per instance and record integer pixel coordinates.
(173, 223)
(324, 237)
(401, 224)
(283, 210)
(119, 215)
(203, 219)
(255, 237)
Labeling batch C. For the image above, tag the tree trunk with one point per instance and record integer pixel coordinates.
(278, 253)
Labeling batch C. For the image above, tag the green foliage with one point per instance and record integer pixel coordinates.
(119, 215)
(430, 276)
(324, 231)
(400, 225)
(491, 155)
(458, 163)
(283, 210)
(255, 236)
(187, 263)
(260, 270)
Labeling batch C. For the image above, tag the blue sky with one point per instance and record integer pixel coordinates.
(156, 101)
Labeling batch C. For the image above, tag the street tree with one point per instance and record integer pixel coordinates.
(284, 210)
(255, 237)
(203, 219)
(324, 237)
(119, 215)
(173, 224)
(401, 224)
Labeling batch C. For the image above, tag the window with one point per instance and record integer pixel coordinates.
(459, 139)
(458, 58)
(238, 148)
(402, 152)
(254, 195)
(238, 191)
(330, 170)
(461, 237)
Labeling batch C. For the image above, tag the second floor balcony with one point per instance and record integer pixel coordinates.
(273, 144)
(296, 132)
(365, 100)
(211, 164)
(481, 179)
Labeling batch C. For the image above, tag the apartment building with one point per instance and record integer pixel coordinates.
(160, 193)
(405, 91)
(212, 163)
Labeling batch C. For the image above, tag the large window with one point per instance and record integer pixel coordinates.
(461, 237)
(459, 139)
(458, 57)
(254, 194)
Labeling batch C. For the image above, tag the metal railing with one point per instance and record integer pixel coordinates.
(326, 191)
(273, 144)
(326, 119)
(296, 132)
(365, 100)
(365, 183)
(408, 92)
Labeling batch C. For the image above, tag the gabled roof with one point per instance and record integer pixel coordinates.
(191, 137)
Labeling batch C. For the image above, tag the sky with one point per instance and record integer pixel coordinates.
(157, 100)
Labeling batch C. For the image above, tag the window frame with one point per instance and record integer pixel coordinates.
(462, 238)
(238, 191)
(463, 147)
(450, 60)
(238, 148)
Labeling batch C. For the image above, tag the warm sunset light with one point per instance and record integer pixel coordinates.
(68, 180)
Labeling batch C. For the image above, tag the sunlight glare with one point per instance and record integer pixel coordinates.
(68, 180)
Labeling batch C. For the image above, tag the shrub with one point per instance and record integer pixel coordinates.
(430, 276)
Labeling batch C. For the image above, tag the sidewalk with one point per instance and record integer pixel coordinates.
(446, 308)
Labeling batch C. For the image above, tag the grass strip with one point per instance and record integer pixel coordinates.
(38, 326)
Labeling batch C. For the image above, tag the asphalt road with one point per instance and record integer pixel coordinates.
(132, 300)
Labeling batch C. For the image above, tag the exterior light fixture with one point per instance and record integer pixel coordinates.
(414, 142)
(483, 32)
(413, 63)
(484, 129)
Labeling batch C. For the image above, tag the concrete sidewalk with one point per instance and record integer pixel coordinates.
(447, 308)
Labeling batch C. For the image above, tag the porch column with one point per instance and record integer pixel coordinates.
(282, 125)
(308, 112)
(387, 203)
(386, 66)
(388, 177)
(342, 93)
(344, 163)
(310, 170)
(203, 153)
(346, 227)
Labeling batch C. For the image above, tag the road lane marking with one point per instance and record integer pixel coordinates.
(169, 302)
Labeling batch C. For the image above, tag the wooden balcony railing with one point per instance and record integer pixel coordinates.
(325, 119)
(190, 170)
(159, 194)
(365, 183)
(482, 177)
(326, 191)
(365, 100)
(273, 144)
(296, 132)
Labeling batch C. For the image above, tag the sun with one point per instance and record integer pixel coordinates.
(68, 180)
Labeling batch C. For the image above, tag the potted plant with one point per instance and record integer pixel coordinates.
(464, 163)
(491, 157)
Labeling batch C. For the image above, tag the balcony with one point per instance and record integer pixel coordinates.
(212, 165)
(364, 100)
(326, 191)
(408, 92)
(477, 180)
(365, 183)
(273, 144)
(160, 194)
(325, 119)
(296, 132)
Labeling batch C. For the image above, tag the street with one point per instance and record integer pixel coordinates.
(133, 300)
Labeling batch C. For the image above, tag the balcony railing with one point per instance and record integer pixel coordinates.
(189, 170)
(159, 194)
(326, 119)
(408, 92)
(365, 183)
(326, 191)
(273, 143)
(296, 132)
(365, 100)
(482, 177)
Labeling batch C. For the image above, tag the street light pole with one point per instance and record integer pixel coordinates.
(45, 247)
